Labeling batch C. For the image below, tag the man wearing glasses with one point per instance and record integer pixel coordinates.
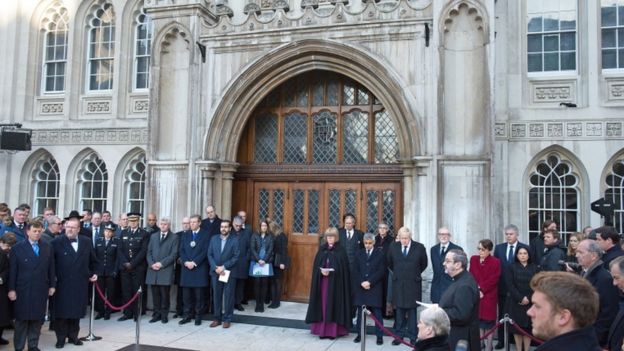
(441, 280)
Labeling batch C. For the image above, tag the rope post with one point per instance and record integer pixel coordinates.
(505, 322)
(138, 316)
(363, 328)
(91, 336)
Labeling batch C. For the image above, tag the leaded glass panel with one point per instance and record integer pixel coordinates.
(389, 199)
(46, 182)
(386, 143)
(302, 95)
(317, 93)
(348, 94)
(325, 140)
(298, 205)
(278, 207)
(290, 97)
(372, 204)
(93, 180)
(355, 137)
(263, 203)
(266, 139)
(313, 211)
(615, 193)
(295, 138)
(334, 208)
(350, 201)
(332, 93)
(363, 97)
(135, 184)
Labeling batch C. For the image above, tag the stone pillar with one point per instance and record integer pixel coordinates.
(227, 178)
(206, 190)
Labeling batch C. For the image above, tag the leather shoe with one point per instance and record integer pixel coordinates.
(379, 340)
(226, 325)
(239, 307)
(4, 341)
(106, 317)
(499, 346)
(215, 324)
(396, 342)
(76, 342)
(164, 320)
(33, 349)
(184, 321)
(99, 316)
(198, 321)
(154, 319)
(123, 318)
(175, 315)
(357, 339)
(60, 344)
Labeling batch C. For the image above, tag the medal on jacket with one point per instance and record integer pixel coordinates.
(193, 243)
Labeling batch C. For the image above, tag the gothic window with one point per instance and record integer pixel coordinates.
(101, 48)
(142, 48)
(553, 194)
(55, 29)
(93, 184)
(612, 33)
(321, 118)
(615, 192)
(551, 35)
(45, 185)
(134, 183)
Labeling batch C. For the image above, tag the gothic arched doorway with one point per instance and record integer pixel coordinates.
(318, 146)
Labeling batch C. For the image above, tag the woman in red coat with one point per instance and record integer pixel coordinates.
(486, 270)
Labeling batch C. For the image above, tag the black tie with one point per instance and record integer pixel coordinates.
(442, 250)
(368, 253)
(404, 251)
(510, 254)
(162, 236)
(21, 226)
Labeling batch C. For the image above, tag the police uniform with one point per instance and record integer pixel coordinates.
(107, 270)
(132, 264)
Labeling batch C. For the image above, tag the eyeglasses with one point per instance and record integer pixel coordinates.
(444, 234)
(481, 249)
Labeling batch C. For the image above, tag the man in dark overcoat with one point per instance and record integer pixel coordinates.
(194, 271)
(162, 252)
(461, 301)
(132, 263)
(186, 225)
(369, 272)
(223, 255)
(75, 262)
(407, 259)
(441, 281)
(616, 332)
(31, 281)
(240, 271)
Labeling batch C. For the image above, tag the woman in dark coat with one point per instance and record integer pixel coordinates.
(518, 279)
(280, 263)
(262, 254)
(486, 270)
(329, 309)
(6, 241)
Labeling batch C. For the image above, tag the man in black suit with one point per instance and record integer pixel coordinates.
(384, 240)
(609, 241)
(133, 265)
(75, 262)
(537, 243)
(588, 254)
(212, 223)
(351, 239)
(194, 276)
(31, 281)
(97, 228)
(441, 280)
(506, 253)
(246, 227)
(240, 272)
(179, 310)
(407, 259)
(19, 226)
(616, 332)
(87, 214)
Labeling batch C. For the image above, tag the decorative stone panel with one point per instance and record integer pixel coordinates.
(97, 106)
(500, 130)
(614, 129)
(90, 136)
(536, 130)
(574, 129)
(552, 92)
(590, 129)
(555, 130)
(518, 130)
(613, 91)
(139, 104)
(593, 129)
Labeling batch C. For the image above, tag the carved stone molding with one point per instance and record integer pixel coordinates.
(614, 91)
(500, 130)
(139, 104)
(552, 92)
(117, 136)
(590, 129)
(50, 106)
(97, 106)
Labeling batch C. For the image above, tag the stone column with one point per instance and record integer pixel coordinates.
(227, 178)
(206, 186)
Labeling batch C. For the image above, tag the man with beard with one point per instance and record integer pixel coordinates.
(53, 230)
(553, 253)
(564, 309)
(75, 262)
(222, 255)
(151, 226)
(31, 281)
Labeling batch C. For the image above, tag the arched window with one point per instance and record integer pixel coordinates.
(143, 31)
(554, 194)
(614, 192)
(101, 48)
(93, 184)
(55, 29)
(134, 185)
(45, 185)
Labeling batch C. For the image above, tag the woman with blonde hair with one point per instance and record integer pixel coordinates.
(281, 261)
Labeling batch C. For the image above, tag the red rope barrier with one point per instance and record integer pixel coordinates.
(523, 332)
(492, 330)
(388, 332)
(112, 307)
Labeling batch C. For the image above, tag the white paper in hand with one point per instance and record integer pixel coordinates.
(225, 276)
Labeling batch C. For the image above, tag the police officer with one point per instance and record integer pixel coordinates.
(106, 250)
(132, 263)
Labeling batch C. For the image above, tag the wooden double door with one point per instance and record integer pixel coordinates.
(306, 209)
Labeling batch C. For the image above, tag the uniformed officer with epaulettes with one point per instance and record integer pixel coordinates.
(107, 252)
(132, 263)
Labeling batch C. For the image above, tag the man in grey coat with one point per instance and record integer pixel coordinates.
(162, 252)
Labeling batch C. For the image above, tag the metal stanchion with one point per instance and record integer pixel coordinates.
(363, 329)
(91, 336)
(505, 322)
(138, 316)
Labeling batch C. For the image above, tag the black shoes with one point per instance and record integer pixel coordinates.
(379, 340)
(259, 309)
(99, 316)
(184, 321)
(396, 342)
(499, 346)
(60, 344)
(274, 305)
(124, 318)
(4, 341)
(164, 320)
(198, 321)
(357, 339)
(239, 307)
(154, 319)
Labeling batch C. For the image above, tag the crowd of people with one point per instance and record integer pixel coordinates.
(47, 265)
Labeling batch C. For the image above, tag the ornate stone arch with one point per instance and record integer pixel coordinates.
(123, 167)
(26, 184)
(263, 75)
(474, 9)
(164, 37)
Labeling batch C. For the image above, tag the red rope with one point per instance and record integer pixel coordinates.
(489, 332)
(523, 332)
(388, 332)
(115, 308)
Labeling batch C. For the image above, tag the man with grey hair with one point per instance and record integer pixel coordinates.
(440, 281)
(616, 333)
(461, 301)
(588, 254)
(433, 330)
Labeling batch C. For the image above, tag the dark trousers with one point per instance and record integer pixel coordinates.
(377, 312)
(260, 289)
(107, 286)
(240, 291)
(179, 301)
(406, 323)
(500, 333)
(160, 298)
(223, 297)
(26, 330)
(130, 283)
(276, 287)
(194, 302)
(67, 328)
